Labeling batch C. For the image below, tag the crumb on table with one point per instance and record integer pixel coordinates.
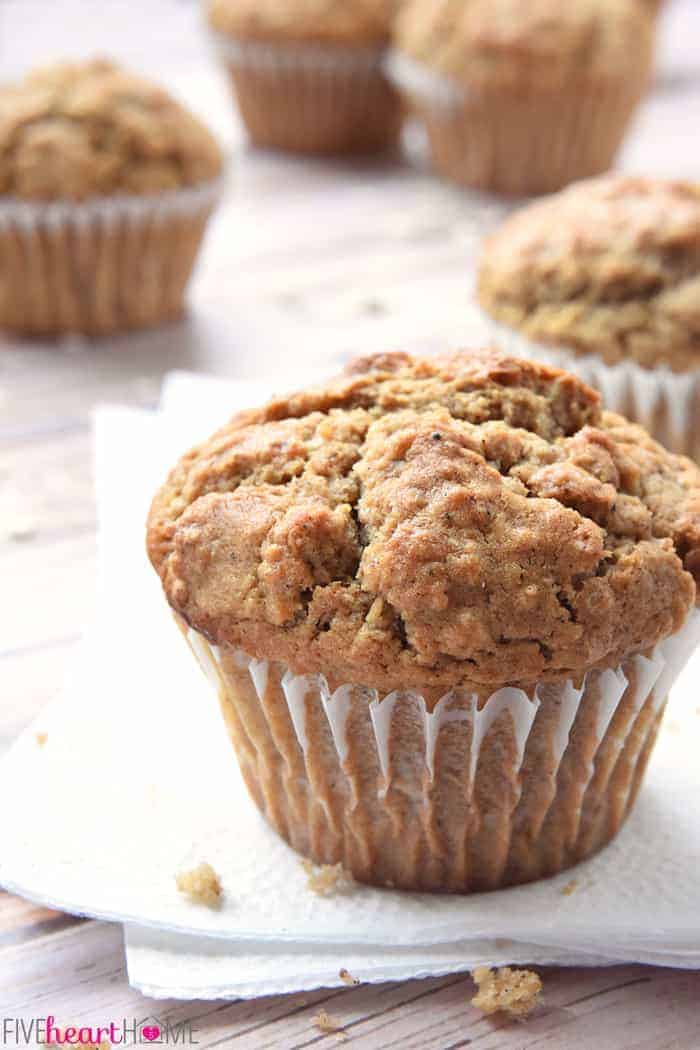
(512, 992)
(325, 879)
(200, 884)
(347, 978)
(570, 887)
(325, 1023)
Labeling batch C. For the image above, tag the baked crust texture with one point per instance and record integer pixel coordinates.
(610, 266)
(465, 520)
(87, 130)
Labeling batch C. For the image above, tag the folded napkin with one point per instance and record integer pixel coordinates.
(129, 776)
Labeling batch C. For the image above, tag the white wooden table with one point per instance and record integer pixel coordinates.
(306, 264)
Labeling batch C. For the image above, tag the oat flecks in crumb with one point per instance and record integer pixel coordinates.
(41, 739)
(200, 884)
(347, 978)
(512, 992)
(326, 879)
(325, 1023)
(570, 887)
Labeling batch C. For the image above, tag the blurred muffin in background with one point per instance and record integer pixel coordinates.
(520, 97)
(106, 185)
(307, 74)
(604, 280)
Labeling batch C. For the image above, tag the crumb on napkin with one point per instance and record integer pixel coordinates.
(570, 887)
(200, 884)
(325, 879)
(512, 992)
(41, 738)
(347, 978)
(325, 1023)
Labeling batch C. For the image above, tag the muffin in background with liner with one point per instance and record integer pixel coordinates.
(307, 74)
(522, 98)
(106, 185)
(443, 601)
(604, 279)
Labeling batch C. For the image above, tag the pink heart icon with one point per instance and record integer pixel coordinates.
(150, 1032)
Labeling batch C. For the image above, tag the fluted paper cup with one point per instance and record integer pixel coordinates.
(474, 793)
(100, 266)
(665, 403)
(518, 139)
(309, 98)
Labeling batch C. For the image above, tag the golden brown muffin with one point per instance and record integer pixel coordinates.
(444, 600)
(541, 92)
(77, 131)
(106, 185)
(497, 41)
(335, 22)
(401, 526)
(607, 274)
(610, 267)
(307, 74)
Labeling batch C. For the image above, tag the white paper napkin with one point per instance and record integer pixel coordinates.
(167, 965)
(137, 778)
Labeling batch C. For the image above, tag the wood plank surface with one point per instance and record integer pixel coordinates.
(307, 263)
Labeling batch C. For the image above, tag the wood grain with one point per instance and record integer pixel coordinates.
(307, 263)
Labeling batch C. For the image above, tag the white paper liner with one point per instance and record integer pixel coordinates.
(639, 393)
(423, 83)
(289, 56)
(27, 215)
(657, 673)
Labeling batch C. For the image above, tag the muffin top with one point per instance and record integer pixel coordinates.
(71, 132)
(353, 22)
(469, 520)
(543, 41)
(610, 266)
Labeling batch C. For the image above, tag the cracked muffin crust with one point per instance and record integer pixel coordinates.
(610, 266)
(464, 520)
(543, 41)
(78, 131)
(355, 22)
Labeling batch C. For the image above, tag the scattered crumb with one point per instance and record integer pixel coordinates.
(570, 888)
(512, 992)
(326, 879)
(200, 884)
(41, 738)
(347, 978)
(18, 527)
(374, 307)
(325, 1023)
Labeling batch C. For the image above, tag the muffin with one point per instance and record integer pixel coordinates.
(106, 185)
(444, 600)
(604, 279)
(307, 74)
(523, 98)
